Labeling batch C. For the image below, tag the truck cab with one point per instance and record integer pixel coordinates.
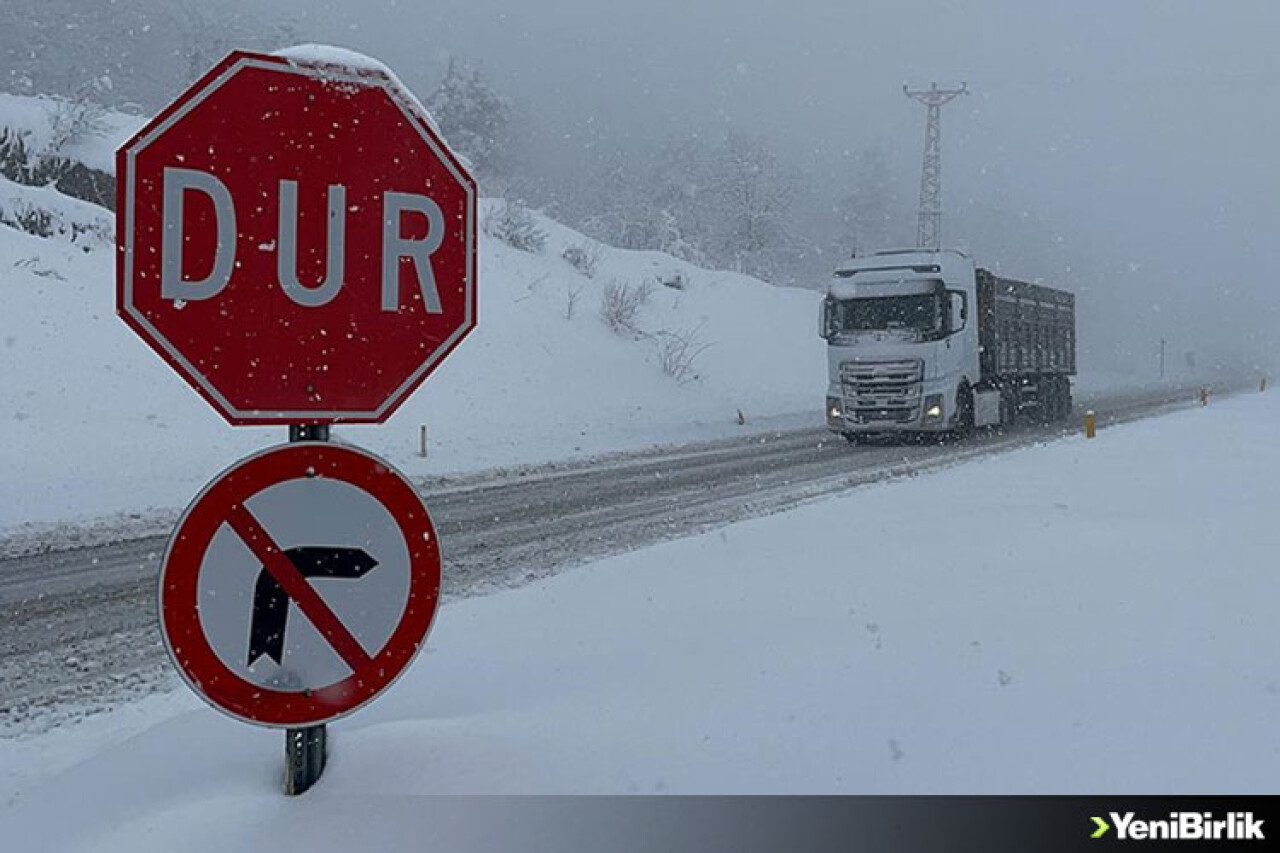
(902, 352)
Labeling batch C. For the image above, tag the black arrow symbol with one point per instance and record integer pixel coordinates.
(271, 603)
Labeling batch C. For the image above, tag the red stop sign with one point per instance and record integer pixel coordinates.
(296, 241)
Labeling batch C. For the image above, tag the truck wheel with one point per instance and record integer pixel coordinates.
(1055, 404)
(1008, 408)
(1046, 399)
(1047, 391)
(854, 437)
(964, 412)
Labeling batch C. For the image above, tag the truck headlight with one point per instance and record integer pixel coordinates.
(835, 411)
(933, 408)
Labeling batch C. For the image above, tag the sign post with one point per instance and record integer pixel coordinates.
(298, 243)
(306, 750)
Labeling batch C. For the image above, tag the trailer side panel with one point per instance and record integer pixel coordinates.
(1024, 329)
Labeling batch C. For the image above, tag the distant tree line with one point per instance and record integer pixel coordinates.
(727, 200)
(730, 202)
(132, 52)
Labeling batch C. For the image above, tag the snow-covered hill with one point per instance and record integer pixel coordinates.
(94, 425)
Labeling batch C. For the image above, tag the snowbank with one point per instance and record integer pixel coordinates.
(45, 211)
(1082, 617)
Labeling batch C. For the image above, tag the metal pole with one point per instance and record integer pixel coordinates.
(929, 224)
(308, 432)
(1162, 358)
(305, 749)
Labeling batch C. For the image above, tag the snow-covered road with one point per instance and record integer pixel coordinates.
(78, 632)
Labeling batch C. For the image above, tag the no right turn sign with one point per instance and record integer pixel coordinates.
(299, 584)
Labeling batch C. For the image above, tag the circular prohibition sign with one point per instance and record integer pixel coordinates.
(328, 531)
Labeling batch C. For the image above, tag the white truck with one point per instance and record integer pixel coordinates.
(920, 341)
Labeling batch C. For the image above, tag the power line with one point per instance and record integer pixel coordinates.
(929, 228)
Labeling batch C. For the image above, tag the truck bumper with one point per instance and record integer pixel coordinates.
(931, 410)
(856, 426)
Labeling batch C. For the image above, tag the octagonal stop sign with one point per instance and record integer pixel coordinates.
(296, 241)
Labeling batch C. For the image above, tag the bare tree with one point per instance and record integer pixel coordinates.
(76, 118)
(677, 351)
(751, 197)
(148, 49)
(513, 224)
(583, 257)
(620, 305)
(477, 122)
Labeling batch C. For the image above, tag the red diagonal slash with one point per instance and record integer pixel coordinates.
(299, 590)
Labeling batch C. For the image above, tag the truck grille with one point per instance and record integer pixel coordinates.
(881, 391)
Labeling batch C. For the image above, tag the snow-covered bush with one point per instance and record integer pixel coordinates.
(45, 212)
(44, 223)
(583, 257)
(34, 221)
(74, 120)
(21, 165)
(674, 279)
(513, 224)
(620, 305)
(677, 352)
(13, 153)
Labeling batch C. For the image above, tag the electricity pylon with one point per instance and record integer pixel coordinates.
(929, 231)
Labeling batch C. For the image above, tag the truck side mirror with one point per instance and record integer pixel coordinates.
(958, 307)
(824, 320)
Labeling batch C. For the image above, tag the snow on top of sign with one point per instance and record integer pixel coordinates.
(335, 57)
(349, 62)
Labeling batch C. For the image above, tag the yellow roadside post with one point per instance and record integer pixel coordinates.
(1090, 424)
(1204, 396)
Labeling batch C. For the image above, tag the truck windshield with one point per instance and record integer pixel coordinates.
(921, 313)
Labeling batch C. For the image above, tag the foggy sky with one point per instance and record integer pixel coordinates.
(1138, 137)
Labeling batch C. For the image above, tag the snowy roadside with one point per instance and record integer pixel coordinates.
(1083, 616)
(98, 431)
(29, 538)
